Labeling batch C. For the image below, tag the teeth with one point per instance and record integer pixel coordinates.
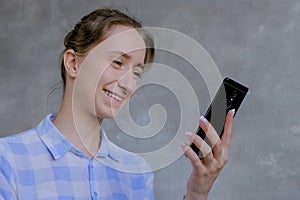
(113, 96)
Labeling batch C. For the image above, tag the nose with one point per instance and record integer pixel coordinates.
(127, 83)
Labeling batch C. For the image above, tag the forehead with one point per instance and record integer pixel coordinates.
(124, 39)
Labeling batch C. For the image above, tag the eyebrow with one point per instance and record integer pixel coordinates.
(120, 53)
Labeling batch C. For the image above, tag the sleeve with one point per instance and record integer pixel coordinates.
(7, 191)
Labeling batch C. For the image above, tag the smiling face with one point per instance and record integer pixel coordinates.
(122, 58)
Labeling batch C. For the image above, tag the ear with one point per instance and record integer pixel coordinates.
(70, 63)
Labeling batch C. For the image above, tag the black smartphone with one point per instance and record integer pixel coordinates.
(230, 95)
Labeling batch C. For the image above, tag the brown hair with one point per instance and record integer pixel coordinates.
(94, 28)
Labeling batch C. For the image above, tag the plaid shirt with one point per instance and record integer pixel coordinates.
(42, 164)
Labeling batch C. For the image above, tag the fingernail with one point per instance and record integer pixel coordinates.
(203, 120)
(189, 134)
(183, 146)
(232, 112)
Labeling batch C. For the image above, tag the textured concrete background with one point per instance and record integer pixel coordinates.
(256, 42)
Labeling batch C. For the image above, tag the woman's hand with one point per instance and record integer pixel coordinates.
(205, 171)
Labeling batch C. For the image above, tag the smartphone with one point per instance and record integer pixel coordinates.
(230, 95)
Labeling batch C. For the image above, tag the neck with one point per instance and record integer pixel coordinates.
(83, 130)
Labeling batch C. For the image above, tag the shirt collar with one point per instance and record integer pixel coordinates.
(58, 145)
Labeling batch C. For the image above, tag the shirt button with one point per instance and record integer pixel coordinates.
(95, 194)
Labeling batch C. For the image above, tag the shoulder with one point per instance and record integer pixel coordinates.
(19, 142)
(11, 147)
(28, 142)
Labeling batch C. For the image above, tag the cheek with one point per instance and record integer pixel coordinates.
(105, 78)
(133, 90)
(129, 96)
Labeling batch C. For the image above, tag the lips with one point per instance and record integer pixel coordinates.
(113, 95)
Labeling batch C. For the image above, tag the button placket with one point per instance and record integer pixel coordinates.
(94, 192)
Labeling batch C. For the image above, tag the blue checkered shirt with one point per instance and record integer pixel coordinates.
(42, 164)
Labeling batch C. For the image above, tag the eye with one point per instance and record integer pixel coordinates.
(117, 63)
(137, 73)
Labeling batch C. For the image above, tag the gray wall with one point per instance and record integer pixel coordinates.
(255, 42)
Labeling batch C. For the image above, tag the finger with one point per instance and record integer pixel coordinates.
(226, 138)
(199, 142)
(209, 158)
(194, 158)
(209, 130)
(218, 150)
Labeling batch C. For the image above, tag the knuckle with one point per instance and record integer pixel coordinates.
(219, 165)
(222, 162)
(225, 158)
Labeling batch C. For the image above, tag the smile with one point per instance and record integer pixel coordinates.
(114, 96)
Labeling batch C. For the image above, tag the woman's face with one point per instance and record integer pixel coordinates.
(121, 58)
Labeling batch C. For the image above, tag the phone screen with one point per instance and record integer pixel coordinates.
(229, 96)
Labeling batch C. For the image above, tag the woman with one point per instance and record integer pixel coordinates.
(64, 156)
